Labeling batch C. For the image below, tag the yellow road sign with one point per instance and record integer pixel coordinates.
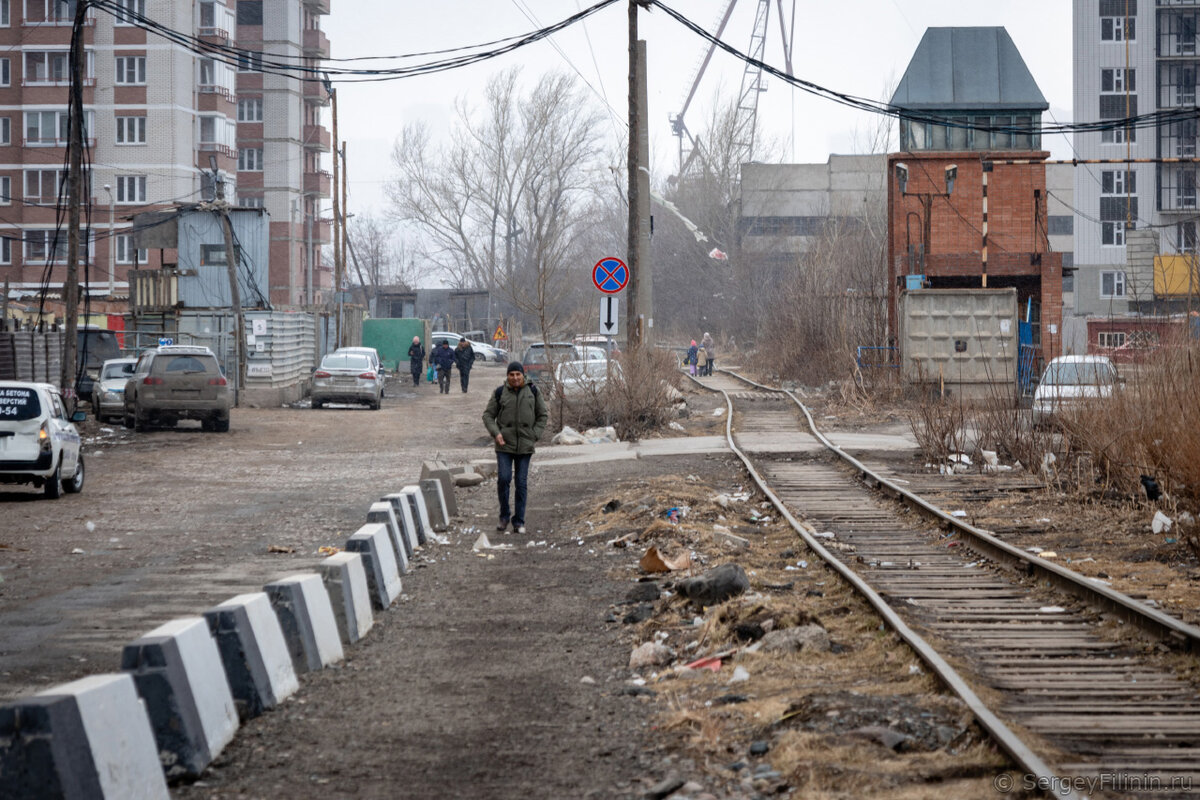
(499, 334)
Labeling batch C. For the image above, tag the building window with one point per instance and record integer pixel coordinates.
(125, 251)
(131, 130)
(131, 189)
(250, 201)
(1111, 338)
(131, 70)
(42, 186)
(1185, 189)
(1112, 284)
(5, 130)
(1118, 182)
(249, 61)
(250, 12)
(47, 66)
(250, 109)
(1185, 236)
(213, 255)
(1118, 135)
(1115, 26)
(126, 10)
(5, 19)
(250, 159)
(5, 250)
(5, 72)
(49, 245)
(5, 190)
(1117, 81)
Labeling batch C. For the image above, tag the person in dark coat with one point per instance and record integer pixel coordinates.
(515, 416)
(416, 360)
(464, 359)
(442, 357)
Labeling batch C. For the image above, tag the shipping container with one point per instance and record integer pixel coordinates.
(960, 340)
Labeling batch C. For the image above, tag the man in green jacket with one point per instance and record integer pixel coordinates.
(515, 417)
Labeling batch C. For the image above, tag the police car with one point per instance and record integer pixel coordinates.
(38, 443)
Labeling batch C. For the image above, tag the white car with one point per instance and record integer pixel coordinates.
(483, 352)
(373, 355)
(1071, 380)
(108, 390)
(582, 377)
(38, 443)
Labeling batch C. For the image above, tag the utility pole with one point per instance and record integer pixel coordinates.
(74, 200)
(640, 290)
(337, 239)
(345, 173)
(235, 293)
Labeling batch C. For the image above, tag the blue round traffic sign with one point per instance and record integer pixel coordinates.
(610, 275)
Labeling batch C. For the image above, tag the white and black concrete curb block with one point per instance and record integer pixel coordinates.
(253, 651)
(404, 515)
(178, 672)
(382, 513)
(345, 579)
(306, 617)
(420, 513)
(435, 504)
(85, 740)
(371, 540)
(438, 471)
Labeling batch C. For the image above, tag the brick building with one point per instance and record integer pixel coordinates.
(156, 116)
(975, 112)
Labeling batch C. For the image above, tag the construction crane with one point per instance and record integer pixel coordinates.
(752, 84)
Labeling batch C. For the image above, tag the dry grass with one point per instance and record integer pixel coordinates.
(636, 399)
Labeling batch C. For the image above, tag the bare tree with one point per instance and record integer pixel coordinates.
(506, 206)
(378, 255)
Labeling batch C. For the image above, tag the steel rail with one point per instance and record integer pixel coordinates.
(985, 543)
(1011, 743)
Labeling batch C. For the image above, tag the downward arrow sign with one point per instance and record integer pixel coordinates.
(608, 314)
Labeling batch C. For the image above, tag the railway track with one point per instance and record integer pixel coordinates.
(1070, 698)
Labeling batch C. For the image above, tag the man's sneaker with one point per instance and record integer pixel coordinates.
(519, 529)
(503, 525)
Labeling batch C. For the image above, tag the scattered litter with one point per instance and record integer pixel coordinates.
(990, 458)
(802, 564)
(568, 435)
(1099, 581)
(650, 654)
(824, 535)
(675, 426)
(1086, 560)
(1047, 554)
(482, 543)
(77, 552)
(437, 539)
(532, 543)
(622, 541)
(740, 674)
(653, 561)
(1051, 610)
(588, 679)
(1044, 519)
(959, 513)
(601, 435)
(1170, 540)
(960, 458)
(673, 515)
(1034, 550)
(712, 663)
(915, 669)
(1161, 523)
(327, 550)
(719, 412)
(1048, 461)
(1186, 519)
(279, 548)
(91, 526)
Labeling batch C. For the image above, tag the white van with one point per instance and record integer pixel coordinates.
(1070, 379)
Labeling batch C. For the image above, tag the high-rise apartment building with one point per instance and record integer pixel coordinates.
(158, 118)
(1132, 57)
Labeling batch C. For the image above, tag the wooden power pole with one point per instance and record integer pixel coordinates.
(337, 237)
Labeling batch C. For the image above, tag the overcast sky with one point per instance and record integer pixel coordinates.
(858, 47)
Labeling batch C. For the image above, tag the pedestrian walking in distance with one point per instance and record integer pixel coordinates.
(416, 360)
(464, 359)
(515, 416)
(710, 351)
(443, 359)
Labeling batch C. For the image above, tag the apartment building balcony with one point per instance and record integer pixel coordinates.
(316, 43)
(316, 137)
(1177, 188)
(321, 232)
(318, 183)
(317, 6)
(213, 35)
(314, 93)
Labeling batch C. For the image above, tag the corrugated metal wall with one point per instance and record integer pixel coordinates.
(206, 286)
(31, 356)
(280, 348)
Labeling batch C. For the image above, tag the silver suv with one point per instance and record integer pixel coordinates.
(177, 382)
(38, 443)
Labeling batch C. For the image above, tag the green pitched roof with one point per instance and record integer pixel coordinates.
(968, 69)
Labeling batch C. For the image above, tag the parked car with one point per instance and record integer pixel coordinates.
(93, 346)
(538, 356)
(373, 355)
(346, 378)
(482, 351)
(606, 343)
(177, 382)
(590, 353)
(38, 443)
(108, 390)
(589, 376)
(1071, 380)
